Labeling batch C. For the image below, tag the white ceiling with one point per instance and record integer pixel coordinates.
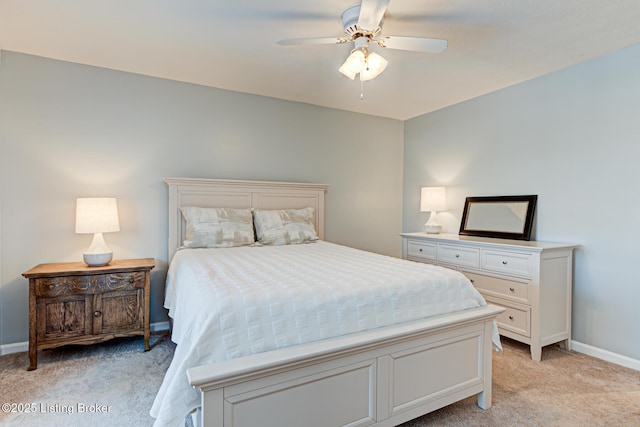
(232, 44)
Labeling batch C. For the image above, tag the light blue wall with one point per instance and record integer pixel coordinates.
(68, 130)
(573, 138)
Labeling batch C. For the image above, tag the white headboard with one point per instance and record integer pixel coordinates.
(225, 193)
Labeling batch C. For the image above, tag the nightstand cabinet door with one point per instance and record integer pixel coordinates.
(115, 312)
(63, 317)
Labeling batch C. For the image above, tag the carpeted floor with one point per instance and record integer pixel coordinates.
(114, 383)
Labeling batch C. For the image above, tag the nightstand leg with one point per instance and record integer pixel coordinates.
(33, 349)
(33, 359)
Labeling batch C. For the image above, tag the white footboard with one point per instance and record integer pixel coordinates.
(382, 377)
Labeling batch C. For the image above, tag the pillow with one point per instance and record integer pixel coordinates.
(285, 227)
(217, 227)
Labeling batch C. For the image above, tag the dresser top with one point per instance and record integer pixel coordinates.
(451, 238)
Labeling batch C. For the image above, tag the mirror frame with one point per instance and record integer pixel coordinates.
(528, 223)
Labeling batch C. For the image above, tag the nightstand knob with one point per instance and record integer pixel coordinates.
(457, 255)
(504, 262)
(97, 313)
(132, 279)
(420, 250)
(52, 287)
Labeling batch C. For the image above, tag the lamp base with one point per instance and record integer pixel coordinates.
(432, 226)
(97, 260)
(432, 229)
(98, 253)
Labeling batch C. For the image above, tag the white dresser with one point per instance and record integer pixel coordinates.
(531, 280)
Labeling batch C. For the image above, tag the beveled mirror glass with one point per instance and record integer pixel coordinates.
(507, 217)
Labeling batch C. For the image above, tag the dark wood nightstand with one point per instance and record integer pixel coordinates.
(71, 303)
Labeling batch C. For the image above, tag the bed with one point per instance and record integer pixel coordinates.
(284, 343)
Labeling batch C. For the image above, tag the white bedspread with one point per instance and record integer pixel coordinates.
(231, 302)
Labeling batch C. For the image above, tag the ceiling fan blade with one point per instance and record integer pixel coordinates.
(418, 44)
(313, 40)
(371, 13)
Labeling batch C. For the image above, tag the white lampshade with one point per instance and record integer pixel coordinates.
(97, 216)
(433, 199)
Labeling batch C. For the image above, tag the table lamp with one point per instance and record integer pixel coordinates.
(433, 200)
(97, 216)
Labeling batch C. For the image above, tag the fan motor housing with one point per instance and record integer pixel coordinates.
(352, 29)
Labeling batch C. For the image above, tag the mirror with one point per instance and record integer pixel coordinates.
(506, 217)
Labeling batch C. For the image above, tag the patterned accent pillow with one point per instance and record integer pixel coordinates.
(217, 227)
(285, 227)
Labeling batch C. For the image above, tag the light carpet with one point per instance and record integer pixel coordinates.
(114, 384)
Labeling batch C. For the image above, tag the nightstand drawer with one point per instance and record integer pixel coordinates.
(501, 288)
(468, 257)
(50, 287)
(421, 250)
(124, 281)
(507, 262)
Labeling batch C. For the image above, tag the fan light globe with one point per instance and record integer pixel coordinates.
(376, 64)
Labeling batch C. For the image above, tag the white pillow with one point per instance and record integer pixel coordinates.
(217, 227)
(285, 227)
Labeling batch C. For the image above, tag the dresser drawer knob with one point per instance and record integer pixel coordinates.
(472, 281)
(132, 279)
(504, 262)
(97, 313)
(510, 317)
(457, 255)
(512, 289)
(420, 250)
(52, 287)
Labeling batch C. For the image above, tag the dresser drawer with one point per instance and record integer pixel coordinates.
(467, 257)
(49, 287)
(501, 288)
(421, 250)
(507, 262)
(515, 318)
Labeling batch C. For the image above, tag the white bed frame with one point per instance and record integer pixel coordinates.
(382, 377)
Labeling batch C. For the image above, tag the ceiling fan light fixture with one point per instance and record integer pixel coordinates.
(356, 61)
(347, 71)
(375, 65)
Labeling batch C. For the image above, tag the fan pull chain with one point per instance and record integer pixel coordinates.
(361, 90)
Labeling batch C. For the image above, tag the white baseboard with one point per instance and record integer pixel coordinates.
(159, 326)
(14, 348)
(19, 347)
(599, 353)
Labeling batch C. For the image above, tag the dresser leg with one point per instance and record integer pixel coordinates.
(536, 353)
(565, 345)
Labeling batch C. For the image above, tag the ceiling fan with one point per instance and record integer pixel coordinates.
(363, 25)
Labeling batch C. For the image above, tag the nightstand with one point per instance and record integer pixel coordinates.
(71, 303)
